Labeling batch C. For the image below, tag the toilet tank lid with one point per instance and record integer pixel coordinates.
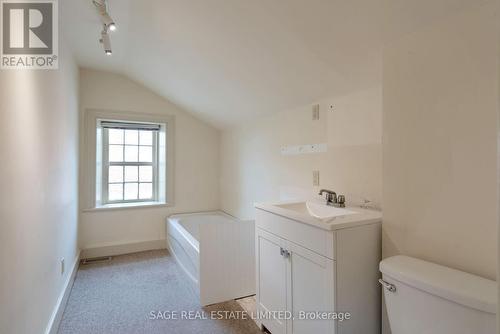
(457, 286)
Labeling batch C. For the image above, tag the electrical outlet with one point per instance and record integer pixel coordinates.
(316, 178)
(62, 266)
(315, 112)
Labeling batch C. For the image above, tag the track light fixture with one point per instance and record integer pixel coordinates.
(108, 25)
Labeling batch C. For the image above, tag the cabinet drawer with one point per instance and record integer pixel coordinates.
(318, 240)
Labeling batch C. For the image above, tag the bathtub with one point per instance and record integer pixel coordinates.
(217, 253)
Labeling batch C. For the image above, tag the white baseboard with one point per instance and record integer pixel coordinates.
(124, 248)
(56, 317)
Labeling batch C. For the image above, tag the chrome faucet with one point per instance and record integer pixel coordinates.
(332, 199)
(331, 196)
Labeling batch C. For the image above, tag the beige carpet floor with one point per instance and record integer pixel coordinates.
(134, 293)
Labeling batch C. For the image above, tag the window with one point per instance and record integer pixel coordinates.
(129, 162)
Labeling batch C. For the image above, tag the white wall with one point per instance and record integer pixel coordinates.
(253, 169)
(440, 126)
(498, 162)
(440, 137)
(39, 197)
(196, 165)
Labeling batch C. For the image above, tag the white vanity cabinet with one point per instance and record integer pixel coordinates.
(308, 270)
(272, 279)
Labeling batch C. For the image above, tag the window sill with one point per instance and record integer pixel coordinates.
(125, 206)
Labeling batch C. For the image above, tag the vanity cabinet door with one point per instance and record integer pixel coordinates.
(271, 280)
(311, 288)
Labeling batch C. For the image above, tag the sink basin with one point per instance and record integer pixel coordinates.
(322, 211)
(317, 210)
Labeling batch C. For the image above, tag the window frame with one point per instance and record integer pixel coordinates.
(91, 158)
(106, 164)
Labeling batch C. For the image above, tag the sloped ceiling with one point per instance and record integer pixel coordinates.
(228, 61)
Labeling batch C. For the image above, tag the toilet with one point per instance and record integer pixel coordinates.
(426, 298)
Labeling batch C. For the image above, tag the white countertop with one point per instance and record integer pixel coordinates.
(362, 216)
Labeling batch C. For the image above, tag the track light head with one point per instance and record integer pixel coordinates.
(106, 19)
(106, 42)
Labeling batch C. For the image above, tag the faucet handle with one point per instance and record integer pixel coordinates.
(341, 201)
(366, 203)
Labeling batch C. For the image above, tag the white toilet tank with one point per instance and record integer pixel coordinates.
(432, 299)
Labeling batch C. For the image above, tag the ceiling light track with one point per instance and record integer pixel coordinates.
(108, 25)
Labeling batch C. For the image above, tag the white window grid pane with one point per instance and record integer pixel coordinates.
(131, 191)
(146, 153)
(153, 165)
(146, 174)
(131, 137)
(115, 174)
(146, 138)
(131, 174)
(116, 153)
(116, 136)
(146, 190)
(116, 191)
(131, 153)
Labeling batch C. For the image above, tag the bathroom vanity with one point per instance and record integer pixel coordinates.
(315, 262)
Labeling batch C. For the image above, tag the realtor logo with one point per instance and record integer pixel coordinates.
(29, 34)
